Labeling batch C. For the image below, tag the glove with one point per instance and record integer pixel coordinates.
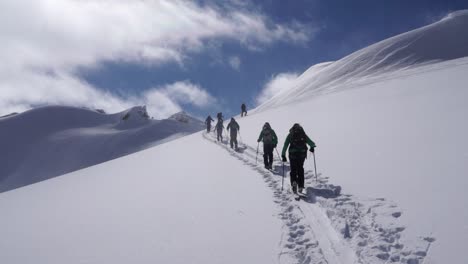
(283, 157)
(258, 140)
(312, 149)
(274, 146)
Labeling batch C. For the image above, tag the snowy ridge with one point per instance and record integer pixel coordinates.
(50, 141)
(441, 41)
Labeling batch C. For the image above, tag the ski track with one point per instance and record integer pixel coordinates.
(314, 229)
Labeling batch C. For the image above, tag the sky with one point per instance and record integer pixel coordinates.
(202, 56)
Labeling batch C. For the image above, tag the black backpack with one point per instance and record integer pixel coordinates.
(298, 138)
(267, 136)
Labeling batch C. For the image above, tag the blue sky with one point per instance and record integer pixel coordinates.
(227, 55)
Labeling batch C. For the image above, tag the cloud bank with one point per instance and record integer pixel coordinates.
(276, 85)
(44, 42)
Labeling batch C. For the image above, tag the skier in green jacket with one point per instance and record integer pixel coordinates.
(270, 140)
(296, 141)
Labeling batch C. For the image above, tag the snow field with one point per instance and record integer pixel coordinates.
(184, 201)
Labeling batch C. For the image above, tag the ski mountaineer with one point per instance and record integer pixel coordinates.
(296, 141)
(270, 140)
(220, 116)
(243, 110)
(208, 123)
(219, 129)
(233, 127)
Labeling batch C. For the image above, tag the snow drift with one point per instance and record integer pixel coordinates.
(441, 41)
(50, 141)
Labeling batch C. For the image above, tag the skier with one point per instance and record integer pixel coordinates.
(270, 140)
(208, 123)
(220, 116)
(296, 141)
(243, 110)
(234, 127)
(219, 129)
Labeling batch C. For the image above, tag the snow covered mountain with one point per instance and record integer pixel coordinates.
(396, 146)
(441, 41)
(50, 141)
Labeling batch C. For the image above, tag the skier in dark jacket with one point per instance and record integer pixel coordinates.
(233, 127)
(220, 116)
(243, 110)
(219, 129)
(296, 141)
(208, 123)
(270, 140)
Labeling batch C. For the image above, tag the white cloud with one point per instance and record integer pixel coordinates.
(235, 62)
(276, 85)
(168, 99)
(44, 42)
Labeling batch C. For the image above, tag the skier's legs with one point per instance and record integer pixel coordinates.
(270, 157)
(300, 172)
(234, 139)
(293, 172)
(266, 149)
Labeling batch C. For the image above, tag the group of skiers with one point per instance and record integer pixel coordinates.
(296, 142)
(233, 127)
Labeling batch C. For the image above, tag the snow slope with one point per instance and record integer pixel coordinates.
(396, 146)
(441, 41)
(173, 203)
(403, 140)
(50, 141)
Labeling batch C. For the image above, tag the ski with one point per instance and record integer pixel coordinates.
(300, 196)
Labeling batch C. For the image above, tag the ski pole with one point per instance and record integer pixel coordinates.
(282, 180)
(240, 137)
(315, 166)
(279, 157)
(256, 156)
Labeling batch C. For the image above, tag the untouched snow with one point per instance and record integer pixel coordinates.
(441, 41)
(142, 208)
(50, 141)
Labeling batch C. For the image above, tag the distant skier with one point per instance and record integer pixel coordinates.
(270, 140)
(243, 110)
(220, 116)
(296, 141)
(208, 123)
(219, 129)
(233, 127)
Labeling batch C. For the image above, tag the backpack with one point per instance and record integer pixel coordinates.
(298, 138)
(267, 136)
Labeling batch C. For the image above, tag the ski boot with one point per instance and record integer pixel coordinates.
(294, 187)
